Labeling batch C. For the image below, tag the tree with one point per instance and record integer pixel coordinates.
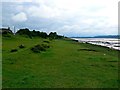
(24, 32)
(39, 34)
(53, 35)
(43, 35)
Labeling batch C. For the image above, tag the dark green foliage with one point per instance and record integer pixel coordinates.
(21, 46)
(50, 39)
(6, 31)
(6, 34)
(46, 41)
(53, 35)
(32, 33)
(38, 48)
(60, 37)
(24, 32)
(43, 35)
(45, 45)
(35, 33)
(87, 50)
(35, 49)
(14, 50)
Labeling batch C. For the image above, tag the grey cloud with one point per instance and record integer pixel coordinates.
(68, 23)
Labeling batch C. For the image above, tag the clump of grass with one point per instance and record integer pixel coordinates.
(6, 34)
(112, 61)
(87, 50)
(38, 48)
(21, 46)
(45, 45)
(14, 50)
(46, 41)
(11, 62)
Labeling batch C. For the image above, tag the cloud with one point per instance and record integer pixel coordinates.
(43, 11)
(18, 1)
(20, 17)
(19, 8)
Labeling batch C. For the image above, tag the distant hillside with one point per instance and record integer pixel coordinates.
(102, 36)
(108, 36)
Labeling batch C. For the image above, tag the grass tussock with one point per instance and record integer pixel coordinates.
(14, 50)
(40, 47)
(87, 50)
(21, 46)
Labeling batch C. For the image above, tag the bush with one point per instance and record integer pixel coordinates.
(38, 48)
(50, 38)
(43, 34)
(14, 50)
(21, 46)
(6, 34)
(46, 41)
(45, 45)
(53, 35)
(25, 31)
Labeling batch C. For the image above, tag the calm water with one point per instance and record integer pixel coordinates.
(107, 42)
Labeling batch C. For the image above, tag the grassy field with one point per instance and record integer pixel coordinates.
(65, 64)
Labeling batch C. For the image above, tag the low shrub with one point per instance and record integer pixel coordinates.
(14, 50)
(45, 45)
(21, 46)
(46, 41)
(38, 48)
(87, 50)
(5, 34)
(50, 39)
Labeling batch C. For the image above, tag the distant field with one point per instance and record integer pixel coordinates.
(66, 63)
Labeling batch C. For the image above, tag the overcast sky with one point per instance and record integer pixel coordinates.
(66, 17)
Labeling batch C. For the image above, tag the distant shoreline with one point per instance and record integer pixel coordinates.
(103, 36)
(112, 43)
(94, 37)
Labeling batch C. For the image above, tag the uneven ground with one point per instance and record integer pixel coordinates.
(65, 64)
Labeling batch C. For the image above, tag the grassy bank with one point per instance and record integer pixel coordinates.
(66, 63)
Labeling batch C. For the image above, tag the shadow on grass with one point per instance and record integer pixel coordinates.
(87, 50)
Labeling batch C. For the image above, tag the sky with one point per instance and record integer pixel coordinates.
(70, 18)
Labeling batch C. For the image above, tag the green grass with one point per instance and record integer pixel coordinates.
(64, 64)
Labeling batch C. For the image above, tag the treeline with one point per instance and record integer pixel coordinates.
(31, 34)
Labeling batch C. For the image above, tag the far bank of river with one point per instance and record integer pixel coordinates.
(113, 43)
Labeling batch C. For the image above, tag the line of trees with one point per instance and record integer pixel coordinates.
(26, 31)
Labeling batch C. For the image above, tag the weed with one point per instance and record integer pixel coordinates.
(38, 48)
(21, 46)
(46, 41)
(14, 50)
